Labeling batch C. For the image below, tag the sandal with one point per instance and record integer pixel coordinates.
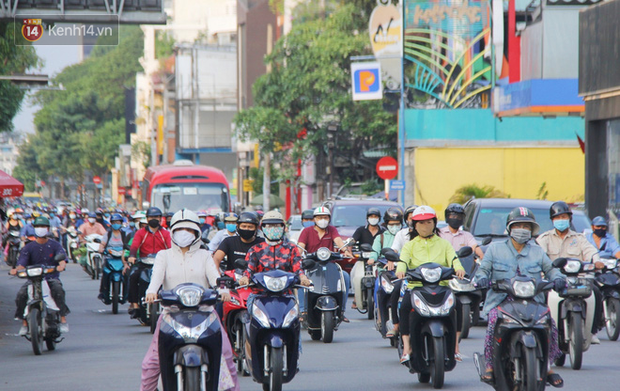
(555, 380)
(487, 376)
(302, 316)
(354, 305)
(391, 334)
(458, 357)
(404, 359)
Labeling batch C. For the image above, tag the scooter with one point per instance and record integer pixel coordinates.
(609, 282)
(147, 314)
(14, 243)
(383, 310)
(468, 294)
(363, 278)
(521, 339)
(113, 272)
(272, 340)
(42, 313)
(73, 243)
(573, 310)
(190, 339)
(93, 257)
(324, 299)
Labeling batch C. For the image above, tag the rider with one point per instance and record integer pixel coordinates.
(42, 251)
(101, 220)
(561, 241)
(323, 235)
(405, 234)
(184, 262)
(149, 240)
(12, 225)
(237, 246)
(91, 226)
(27, 231)
(455, 214)
(230, 229)
(116, 238)
(202, 218)
(605, 243)
(508, 258)
(365, 234)
(426, 247)
(307, 218)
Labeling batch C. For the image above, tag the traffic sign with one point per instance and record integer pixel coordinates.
(387, 168)
(247, 185)
(122, 190)
(397, 185)
(96, 180)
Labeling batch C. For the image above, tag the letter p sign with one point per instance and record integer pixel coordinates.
(366, 81)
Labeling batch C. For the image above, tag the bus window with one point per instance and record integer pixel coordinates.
(194, 196)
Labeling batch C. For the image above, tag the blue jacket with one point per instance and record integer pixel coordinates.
(609, 246)
(502, 261)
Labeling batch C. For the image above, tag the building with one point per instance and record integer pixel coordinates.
(9, 150)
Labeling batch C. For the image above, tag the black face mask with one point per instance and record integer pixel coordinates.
(153, 223)
(246, 234)
(454, 223)
(600, 232)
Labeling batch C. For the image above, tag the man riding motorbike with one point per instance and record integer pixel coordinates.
(230, 221)
(604, 242)
(506, 259)
(237, 246)
(455, 214)
(115, 238)
(91, 226)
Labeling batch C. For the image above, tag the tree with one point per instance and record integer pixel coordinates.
(467, 192)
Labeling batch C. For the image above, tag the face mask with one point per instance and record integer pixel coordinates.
(153, 223)
(454, 223)
(521, 235)
(246, 234)
(425, 230)
(72, 217)
(91, 220)
(373, 221)
(231, 227)
(41, 232)
(116, 227)
(600, 232)
(393, 229)
(107, 216)
(307, 224)
(221, 225)
(322, 224)
(561, 225)
(52, 215)
(132, 224)
(183, 238)
(201, 221)
(273, 233)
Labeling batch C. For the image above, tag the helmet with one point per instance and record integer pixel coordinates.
(153, 211)
(232, 217)
(373, 211)
(27, 215)
(137, 216)
(322, 211)
(99, 211)
(36, 214)
(522, 214)
(393, 214)
(19, 210)
(92, 215)
(41, 220)
(599, 221)
(248, 217)
(307, 214)
(143, 220)
(454, 208)
(185, 216)
(116, 217)
(202, 213)
(558, 208)
(272, 217)
(423, 212)
(409, 211)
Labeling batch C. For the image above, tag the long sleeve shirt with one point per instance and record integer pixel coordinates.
(609, 246)
(283, 256)
(383, 240)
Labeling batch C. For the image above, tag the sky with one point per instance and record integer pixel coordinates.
(56, 58)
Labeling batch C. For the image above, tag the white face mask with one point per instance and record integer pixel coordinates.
(393, 229)
(322, 224)
(41, 232)
(373, 221)
(92, 220)
(183, 238)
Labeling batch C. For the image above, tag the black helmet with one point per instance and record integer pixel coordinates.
(409, 211)
(373, 211)
(522, 214)
(307, 214)
(454, 208)
(393, 214)
(153, 211)
(248, 217)
(559, 208)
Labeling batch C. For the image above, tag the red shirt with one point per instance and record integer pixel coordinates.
(310, 237)
(150, 243)
(263, 257)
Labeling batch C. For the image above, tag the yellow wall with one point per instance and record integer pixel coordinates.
(516, 171)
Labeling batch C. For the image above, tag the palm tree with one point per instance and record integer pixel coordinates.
(467, 192)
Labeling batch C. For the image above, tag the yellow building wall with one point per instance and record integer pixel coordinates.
(518, 172)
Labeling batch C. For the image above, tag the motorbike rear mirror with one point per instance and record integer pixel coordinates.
(60, 257)
(366, 247)
(146, 205)
(465, 252)
(97, 240)
(486, 241)
(348, 242)
(308, 264)
(560, 262)
(390, 255)
(241, 263)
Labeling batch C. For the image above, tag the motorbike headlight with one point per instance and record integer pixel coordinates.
(22, 274)
(431, 275)
(234, 300)
(190, 334)
(190, 296)
(292, 315)
(572, 266)
(610, 263)
(445, 308)
(420, 305)
(524, 289)
(35, 272)
(461, 286)
(387, 285)
(275, 284)
(543, 320)
(323, 254)
(261, 317)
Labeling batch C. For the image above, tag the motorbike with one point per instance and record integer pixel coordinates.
(468, 295)
(147, 313)
(272, 340)
(570, 309)
(42, 313)
(609, 282)
(73, 243)
(113, 269)
(521, 339)
(14, 242)
(324, 299)
(383, 290)
(93, 257)
(364, 281)
(190, 339)
(432, 322)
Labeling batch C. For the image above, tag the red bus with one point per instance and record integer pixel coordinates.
(186, 185)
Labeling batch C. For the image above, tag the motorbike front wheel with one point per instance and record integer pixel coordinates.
(327, 326)
(437, 361)
(192, 379)
(36, 335)
(116, 289)
(50, 343)
(13, 255)
(276, 368)
(529, 369)
(153, 316)
(576, 325)
(466, 322)
(370, 304)
(612, 307)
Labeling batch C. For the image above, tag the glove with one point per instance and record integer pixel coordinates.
(482, 282)
(559, 284)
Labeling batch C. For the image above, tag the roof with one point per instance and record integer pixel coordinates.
(514, 202)
(197, 173)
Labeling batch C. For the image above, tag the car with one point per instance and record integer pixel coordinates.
(581, 222)
(294, 227)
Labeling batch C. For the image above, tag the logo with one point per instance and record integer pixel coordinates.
(366, 81)
(32, 30)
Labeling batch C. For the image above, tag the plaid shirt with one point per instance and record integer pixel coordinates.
(283, 256)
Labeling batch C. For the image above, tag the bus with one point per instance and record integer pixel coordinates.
(184, 184)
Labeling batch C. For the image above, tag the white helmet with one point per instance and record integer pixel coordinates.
(322, 211)
(185, 218)
(423, 212)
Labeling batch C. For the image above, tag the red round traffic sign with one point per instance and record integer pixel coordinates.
(387, 168)
(122, 190)
(96, 180)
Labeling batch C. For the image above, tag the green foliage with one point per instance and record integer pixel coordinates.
(164, 44)
(256, 174)
(141, 151)
(542, 192)
(467, 192)
(371, 187)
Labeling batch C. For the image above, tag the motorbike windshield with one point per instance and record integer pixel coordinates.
(193, 196)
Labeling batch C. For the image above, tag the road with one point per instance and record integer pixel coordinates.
(104, 351)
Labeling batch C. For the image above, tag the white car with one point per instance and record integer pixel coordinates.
(294, 227)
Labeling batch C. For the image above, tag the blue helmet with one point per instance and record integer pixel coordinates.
(116, 217)
(92, 215)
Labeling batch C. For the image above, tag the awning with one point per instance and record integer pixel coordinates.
(9, 186)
